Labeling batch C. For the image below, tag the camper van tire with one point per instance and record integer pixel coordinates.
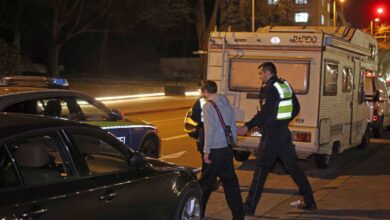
(365, 138)
(322, 160)
(241, 156)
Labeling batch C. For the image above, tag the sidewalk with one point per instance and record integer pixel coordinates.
(362, 193)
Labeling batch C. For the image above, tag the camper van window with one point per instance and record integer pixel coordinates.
(373, 51)
(361, 92)
(347, 79)
(331, 73)
(296, 72)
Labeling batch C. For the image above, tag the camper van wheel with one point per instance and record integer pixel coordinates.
(241, 156)
(365, 139)
(322, 160)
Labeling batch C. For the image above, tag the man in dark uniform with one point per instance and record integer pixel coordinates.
(279, 106)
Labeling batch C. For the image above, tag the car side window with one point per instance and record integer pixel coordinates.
(99, 155)
(38, 160)
(7, 170)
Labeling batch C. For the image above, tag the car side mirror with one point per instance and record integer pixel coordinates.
(138, 161)
(116, 114)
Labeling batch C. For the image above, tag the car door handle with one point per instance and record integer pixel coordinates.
(108, 196)
(34, 213)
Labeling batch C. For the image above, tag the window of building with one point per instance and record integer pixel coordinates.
(300, 2)
(330, 81)
(301, 17)
(273, 2)
(347, 80)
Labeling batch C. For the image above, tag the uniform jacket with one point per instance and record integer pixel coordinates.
(266, 117)
(214, 133)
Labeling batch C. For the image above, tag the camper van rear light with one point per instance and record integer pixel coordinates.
(301, 136)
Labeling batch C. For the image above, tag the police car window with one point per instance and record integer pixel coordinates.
(38, 160)
(54, 107)
(26, 107)
(330, 81)
(91, 112)
(99, 155)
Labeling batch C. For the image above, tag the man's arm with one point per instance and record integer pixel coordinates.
(267, 112)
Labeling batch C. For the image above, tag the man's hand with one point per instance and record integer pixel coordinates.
(206, 158)
(242, 130)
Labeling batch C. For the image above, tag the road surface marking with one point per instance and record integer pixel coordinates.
(173, 156)
(170, 119)
(175, 137)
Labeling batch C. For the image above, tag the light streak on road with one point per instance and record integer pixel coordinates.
(175, 137)
(112, 98)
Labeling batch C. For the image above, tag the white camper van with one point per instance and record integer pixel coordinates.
(324, 65)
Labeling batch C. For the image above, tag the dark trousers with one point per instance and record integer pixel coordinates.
(222, 166)
(275, 144)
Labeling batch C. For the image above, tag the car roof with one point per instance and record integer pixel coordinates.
(15, 123)
(33, 92)
(35, 81)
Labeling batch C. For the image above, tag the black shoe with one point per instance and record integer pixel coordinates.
(308, 206)
(247, 210)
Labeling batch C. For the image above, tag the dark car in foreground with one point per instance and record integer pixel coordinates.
(73, 105)
(62, 169)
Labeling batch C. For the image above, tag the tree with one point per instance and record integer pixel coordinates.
(68, 19)
(126, 16)
(10, 14)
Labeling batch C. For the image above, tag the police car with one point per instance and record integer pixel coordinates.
(78, 106)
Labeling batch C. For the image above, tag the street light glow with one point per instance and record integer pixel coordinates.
(380, 10)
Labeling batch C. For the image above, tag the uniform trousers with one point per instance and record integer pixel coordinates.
(276, 143)
(222, 166)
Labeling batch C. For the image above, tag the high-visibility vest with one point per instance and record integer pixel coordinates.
(285, 106)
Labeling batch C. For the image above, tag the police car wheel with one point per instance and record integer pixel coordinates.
(150, 147)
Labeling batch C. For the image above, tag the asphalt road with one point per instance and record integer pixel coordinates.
(280, 190)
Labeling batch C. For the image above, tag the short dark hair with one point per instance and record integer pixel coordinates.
(268, 66)
(209, 86)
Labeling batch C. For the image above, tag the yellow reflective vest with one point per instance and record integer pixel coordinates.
(285, 106)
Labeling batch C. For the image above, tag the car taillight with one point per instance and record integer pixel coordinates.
(301, 136)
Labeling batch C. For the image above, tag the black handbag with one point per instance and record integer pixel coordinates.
(226, 128)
